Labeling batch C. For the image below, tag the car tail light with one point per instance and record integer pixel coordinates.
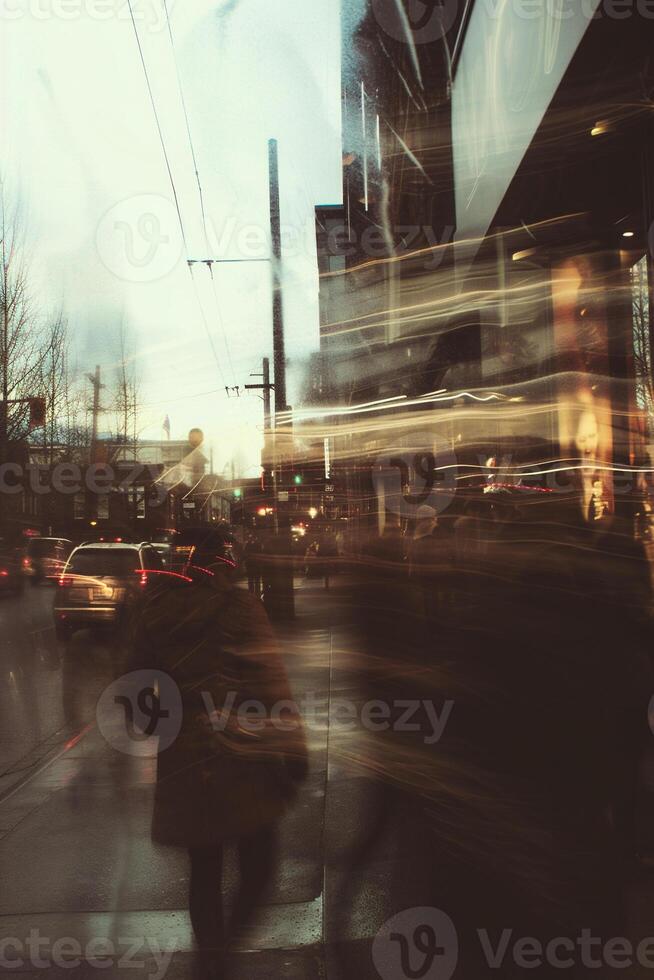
(4, 573)
(26, 562)
(65, 581)
(143, 579)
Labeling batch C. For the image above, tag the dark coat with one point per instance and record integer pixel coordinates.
(212, 786)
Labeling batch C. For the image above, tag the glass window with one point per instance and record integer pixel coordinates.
(39, 547)
(101, 561)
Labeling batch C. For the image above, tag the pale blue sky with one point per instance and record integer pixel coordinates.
(81, 147)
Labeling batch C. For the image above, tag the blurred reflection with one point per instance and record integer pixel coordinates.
(524, 811)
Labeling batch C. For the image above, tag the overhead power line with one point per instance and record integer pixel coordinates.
(199, 184)
(174, 188)
(158, 123)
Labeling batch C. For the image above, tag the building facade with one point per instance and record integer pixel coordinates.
(490, 266)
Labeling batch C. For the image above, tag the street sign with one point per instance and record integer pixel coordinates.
(282, 496)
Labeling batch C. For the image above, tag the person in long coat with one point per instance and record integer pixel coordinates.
(241, 751)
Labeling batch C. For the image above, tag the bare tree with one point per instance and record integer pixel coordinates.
(23, 348)
(76, 425)
(54, 388)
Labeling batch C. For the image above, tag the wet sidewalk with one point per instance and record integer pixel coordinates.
(85, 888)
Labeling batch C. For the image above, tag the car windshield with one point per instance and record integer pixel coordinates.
(99, 562)
(39, 547)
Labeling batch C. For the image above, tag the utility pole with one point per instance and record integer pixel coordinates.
(266, 387)
(278, 309)
(97, 388)
(268, 432)
(283, 589)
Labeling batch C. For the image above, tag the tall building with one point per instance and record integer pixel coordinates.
(493, 240)
(552, 144)
(376, 249)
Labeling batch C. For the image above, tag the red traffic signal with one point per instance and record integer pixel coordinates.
(37, 413)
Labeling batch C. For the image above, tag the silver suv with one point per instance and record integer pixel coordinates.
(101, 584)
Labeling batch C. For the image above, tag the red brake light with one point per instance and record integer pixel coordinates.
(65, 581)
(198, 568)
(156, 571)
(4, 573)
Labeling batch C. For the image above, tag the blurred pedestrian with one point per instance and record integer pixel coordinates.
(222, 780)
(328, 553)
(252, 553)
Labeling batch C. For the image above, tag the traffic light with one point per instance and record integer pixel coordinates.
(37, 413)
(298, 479)
(238, 493)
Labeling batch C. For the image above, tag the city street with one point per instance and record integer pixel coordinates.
(75, 852)
(76, 857)
(327, 490)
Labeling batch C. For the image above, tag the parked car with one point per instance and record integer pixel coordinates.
(45, 558)
(11, 573)
(101, 585)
